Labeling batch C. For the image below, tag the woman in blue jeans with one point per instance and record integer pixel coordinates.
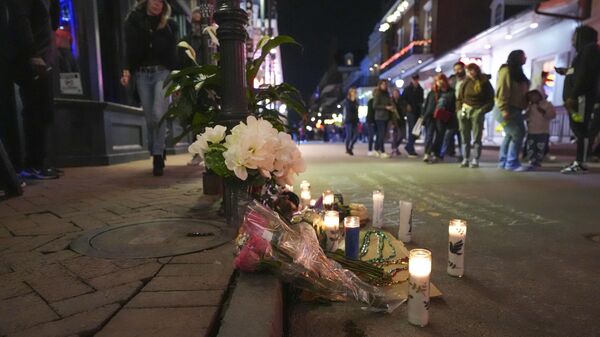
(511, 100)
(382, 104)
(150, 38)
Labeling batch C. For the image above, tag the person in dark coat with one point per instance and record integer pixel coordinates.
(151, 40)
(371, 127)
(31, 25)
(413, 95)
(382, 104)
(581, 93)
(351, 120)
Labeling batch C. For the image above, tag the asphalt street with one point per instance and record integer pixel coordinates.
(532, 260)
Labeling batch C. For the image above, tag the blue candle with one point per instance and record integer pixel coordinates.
(352, 228)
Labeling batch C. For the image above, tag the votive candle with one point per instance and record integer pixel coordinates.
(312, 203)
(457, 236)
(289, 187)
(305, 199)
(378, 208)
(304, 185)
(352, 229)
(332, 229)
(419, 270)
(328, 198)
(405, 225)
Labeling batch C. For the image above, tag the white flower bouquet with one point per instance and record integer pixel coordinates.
(254, 152)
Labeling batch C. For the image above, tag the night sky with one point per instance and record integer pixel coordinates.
(324, 28)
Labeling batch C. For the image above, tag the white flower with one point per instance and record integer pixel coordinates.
(251, 146)
(215, 135)
(200, 146)
(288, 160)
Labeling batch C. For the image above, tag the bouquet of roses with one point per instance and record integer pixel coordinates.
(266, 240)
(253, 151)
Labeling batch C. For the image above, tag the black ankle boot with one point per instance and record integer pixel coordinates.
(158, 165)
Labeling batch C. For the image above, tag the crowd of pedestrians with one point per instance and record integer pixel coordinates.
(452, 115)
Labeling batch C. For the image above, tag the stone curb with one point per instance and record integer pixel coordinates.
(255, 308)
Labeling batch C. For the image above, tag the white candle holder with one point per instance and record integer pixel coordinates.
(304, 185)
(305, 199)
(457, 236)
(332, 230)
(328, 199)
(312, 203)
(419, 269)
(378, 208)
(405, 226)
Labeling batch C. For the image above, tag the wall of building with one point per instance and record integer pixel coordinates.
(594, 20)
(455, 20)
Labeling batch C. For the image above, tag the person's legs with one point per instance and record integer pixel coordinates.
(442, 136)
(539, 147)
(37, 97)
(371, 130)
(354, 136)
(145, 89)
(381, 130)
(464, 126)
(410, 138)
(503, 153)
(517, 131)
(477, 120)
(430, 137)
(348, 130)
(159, 109)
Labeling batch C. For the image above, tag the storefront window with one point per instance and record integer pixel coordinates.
(68, 51)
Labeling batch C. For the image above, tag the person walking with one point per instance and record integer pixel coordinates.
(351, 120)
(581, 93)
(382, 105)
(371, 128)
(452, 140)
(397, 122)
(440, 106)
(539, 113)
(413, 95)
(150, 38)
(511, 89)
(475, 99)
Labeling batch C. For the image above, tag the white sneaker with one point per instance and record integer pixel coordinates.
(474, 163)
(464, 163)
(384, 156)
(425, 157)
(372, 154)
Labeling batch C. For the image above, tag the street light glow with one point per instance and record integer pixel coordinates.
(533, 25)
(339, 106)
(384, 27)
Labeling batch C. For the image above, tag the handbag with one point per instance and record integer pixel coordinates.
(416, 131)
(442, 115)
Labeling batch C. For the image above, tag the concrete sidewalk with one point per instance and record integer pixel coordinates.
(46, 289)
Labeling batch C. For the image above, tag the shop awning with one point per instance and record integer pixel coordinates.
(569, 9)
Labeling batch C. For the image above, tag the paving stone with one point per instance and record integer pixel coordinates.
(138, 273)
(25, 244)
(130, 263)
(173, 299)
(212, 277)
(28, 227)
(12, 285)
(87, 222)
(4, 233)
(89, 267)
(159, 322)
(44, 218)
(24, 261)
(81, 324)
(19, 313)
(54, 283)
(222, 254)
(96, 299)
(196, 270)
(59, 244)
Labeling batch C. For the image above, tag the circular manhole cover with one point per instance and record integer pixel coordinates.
(156, 238)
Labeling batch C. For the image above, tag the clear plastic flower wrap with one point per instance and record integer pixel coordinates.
(266, 240)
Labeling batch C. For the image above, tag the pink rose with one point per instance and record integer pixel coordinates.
(247, 260)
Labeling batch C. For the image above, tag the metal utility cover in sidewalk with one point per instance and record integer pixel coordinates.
(151, 239)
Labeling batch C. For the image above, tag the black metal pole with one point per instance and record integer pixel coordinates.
(232, 37)
(234, 107)
(207, 10)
